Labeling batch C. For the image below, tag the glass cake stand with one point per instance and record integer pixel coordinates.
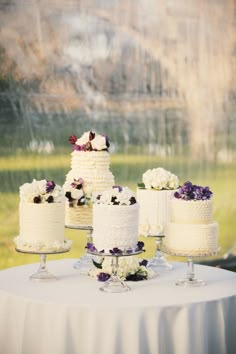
(85, 262)
(158, 262)
(115, 284)
(190, 279)
(42, 273)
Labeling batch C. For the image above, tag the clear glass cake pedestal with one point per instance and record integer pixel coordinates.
(115, 284)
(190, 279)
(158, 263)
(42, 274)
(84, 263)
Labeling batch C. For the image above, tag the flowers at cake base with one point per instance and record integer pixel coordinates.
(159, 179)
(130, 268)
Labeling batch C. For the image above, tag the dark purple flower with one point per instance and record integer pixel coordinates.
(144, 263)
(107, 141)
(50, 199)
(68, 196)
(132, 201)
(140, 246)
(103, 276)
(190, 191)
(50, 185)
(118, 187)
(91, 136)
(177, 195)
(72, 139)
(115, 250)
(37, 199)
(136, 277)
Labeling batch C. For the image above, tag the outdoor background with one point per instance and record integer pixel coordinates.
(157, 76)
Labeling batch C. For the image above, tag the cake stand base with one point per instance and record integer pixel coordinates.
(114, 285)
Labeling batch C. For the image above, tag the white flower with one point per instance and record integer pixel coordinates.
(76, 193)
(99, 142)
(84, 139)
(159, 178)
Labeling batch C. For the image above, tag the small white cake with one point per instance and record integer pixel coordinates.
(41, 218)
(89, 174)
(115, 220)
(153, 196)
(191, 229)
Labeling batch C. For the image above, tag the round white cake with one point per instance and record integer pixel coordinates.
(90, 169)
(153, 196)
(191, 229)
(115, 220)
(41, 218)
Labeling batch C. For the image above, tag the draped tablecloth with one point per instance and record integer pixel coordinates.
(71, 316)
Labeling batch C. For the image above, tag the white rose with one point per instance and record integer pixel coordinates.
(84, 139)
(40, 186)
(99, 142)
(76, 193)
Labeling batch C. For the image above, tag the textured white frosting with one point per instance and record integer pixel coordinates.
(115, 226)
(191, 228)
(41, 227)
(191, 211)
(93, 167)
(154, 210)
(193, 239)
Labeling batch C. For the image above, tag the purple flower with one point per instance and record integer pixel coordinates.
(190, 191)
(140, 246)
(103, 276)
(115, 250)
(91, 136)
(50, 199)
(144, 263)
(50, 185)
(136, 277)
(118, 187)
(37, 199)
(90, 246)
(107, 141)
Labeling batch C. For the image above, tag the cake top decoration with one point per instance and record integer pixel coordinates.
(42, 191)
(90, 141)
(189, 191)
(116, 195)
(159, 179)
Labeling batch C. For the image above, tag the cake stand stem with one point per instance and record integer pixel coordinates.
(158, 262)
(85, 262)
(42, 273)
(190, 279)
(115, 284)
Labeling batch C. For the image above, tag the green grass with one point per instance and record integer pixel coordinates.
(128, 169)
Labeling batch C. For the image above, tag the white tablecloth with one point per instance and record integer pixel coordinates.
(71, 316)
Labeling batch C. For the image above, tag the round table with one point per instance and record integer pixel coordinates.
(71, 316)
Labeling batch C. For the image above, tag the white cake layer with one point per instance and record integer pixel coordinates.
(93, 167)
(115, 226)
(41, 226)
(191, 238)
(154, 211)
(78, 215)
(191, 211)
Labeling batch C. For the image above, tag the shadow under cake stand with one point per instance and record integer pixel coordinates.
(158, 262)
(115, 284)
(42, 273)
(84, 263)
(190, 279)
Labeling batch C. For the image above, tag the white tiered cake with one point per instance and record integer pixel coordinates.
(41, 218)
(115, 220)
(191, 229)
(153, 196)
(89, 174)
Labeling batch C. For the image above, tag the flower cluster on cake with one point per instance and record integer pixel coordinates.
(153, 196)
(90, 174)
(115, 219)
(41, 217)
(130, 268)
(191, 229)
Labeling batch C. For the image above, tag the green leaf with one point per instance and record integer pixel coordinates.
(97, 264)
(141, 185)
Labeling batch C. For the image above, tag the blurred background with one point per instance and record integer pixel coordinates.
(157, 76)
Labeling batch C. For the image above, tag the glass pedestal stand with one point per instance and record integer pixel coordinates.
(190, 279)
(115, 284)
(84, 263)
(158, 262)
(42, 273)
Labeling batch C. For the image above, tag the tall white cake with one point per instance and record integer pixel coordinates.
(41, 217)
(90, 174)
(115, 220)
(191, 229)
(153, 196)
